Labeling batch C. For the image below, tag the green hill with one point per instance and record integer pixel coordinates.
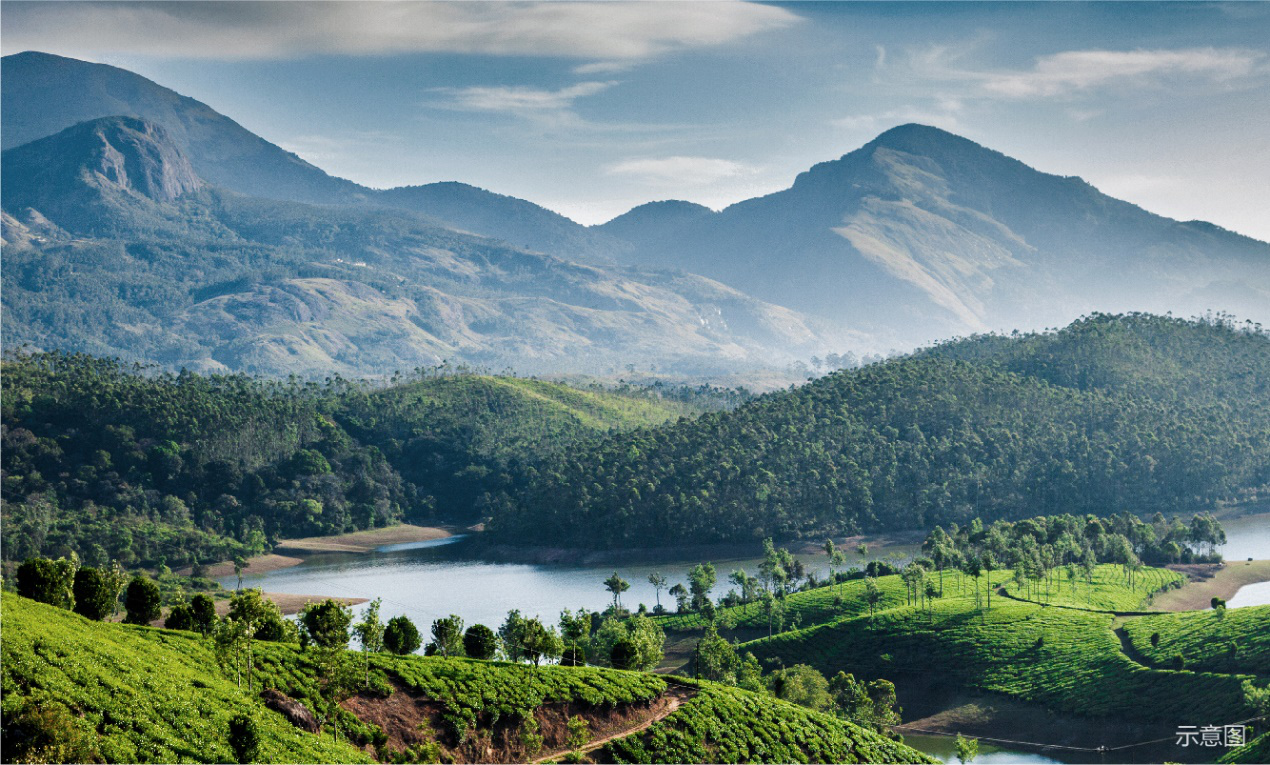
(116, 462)
(1133, 413)
(76, 690)
(1061, 656)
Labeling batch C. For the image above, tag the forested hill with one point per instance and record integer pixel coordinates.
(1118, 413)
(116, 462)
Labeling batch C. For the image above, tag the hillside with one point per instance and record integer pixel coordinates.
(141, 694)
(114, 462)
(114, 246)
(1114, 413)
(922, 234)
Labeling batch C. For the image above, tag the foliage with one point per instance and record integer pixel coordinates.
(142, 600)
(1238, 642)
(447, 636)
(244, 738)
(401, 636)
(96, 592)
(48, 581)
(722, 724)
(967, 749)
(480, 642)
(1113, 414)
(325, 624)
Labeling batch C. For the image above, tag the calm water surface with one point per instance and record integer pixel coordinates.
(1247, 537)
(944, 749)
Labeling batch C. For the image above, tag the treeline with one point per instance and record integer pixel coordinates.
(118, 462)
(1131, 413)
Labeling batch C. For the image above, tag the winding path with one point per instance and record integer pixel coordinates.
(674, 697)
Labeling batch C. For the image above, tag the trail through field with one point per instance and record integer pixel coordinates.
(1128, 649)
(671, 700)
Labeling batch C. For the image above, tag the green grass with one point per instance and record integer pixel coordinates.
(1235, 641)
(722, 724)
(1065, 659)
(1108, 591)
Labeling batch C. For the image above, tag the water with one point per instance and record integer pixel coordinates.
(1251, 595)
(944, 749)
(1247, 537)
(426, 581)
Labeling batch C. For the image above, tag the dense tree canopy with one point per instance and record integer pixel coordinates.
(1131, 413)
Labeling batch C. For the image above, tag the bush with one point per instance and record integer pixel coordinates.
(95, 597)
(203, 613)
(480, 642)
(244, 737)
(401, 636)
(47, 581)
(142, 601)
(624, 655)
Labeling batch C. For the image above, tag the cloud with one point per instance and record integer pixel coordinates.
(680, 171)
(944, 113)
(606, 32)
(524, 101)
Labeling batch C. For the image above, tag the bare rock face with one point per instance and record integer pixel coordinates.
(138, 156)
(295, 712)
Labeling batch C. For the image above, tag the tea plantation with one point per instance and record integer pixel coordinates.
(75, 690)
(1236, 640)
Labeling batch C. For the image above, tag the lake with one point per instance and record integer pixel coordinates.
(1247, 536)
(426, 581)
(944, 749)
(1251, 595)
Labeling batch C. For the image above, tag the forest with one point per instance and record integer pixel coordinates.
(120, 462)
(1116, 413)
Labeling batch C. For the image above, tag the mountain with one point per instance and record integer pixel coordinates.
(114, 246)
(1116, 413)
(43, 94)
(651, 226)
(922, 234)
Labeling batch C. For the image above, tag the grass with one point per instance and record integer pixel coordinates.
(722, 724)
(1068, 660)
(1237, 640)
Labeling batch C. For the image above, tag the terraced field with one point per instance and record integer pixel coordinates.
(1107, 590)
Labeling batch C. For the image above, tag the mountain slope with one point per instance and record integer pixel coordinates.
(44, 94)
(1115, 413)
(922, 234)
(116, 251)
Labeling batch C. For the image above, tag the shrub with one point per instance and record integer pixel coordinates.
(624, 655)
(142, 601)
(480, 642)
(244, 737)
(95, 597)
(401, 636)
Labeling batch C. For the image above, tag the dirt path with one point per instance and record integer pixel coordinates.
(674, 697)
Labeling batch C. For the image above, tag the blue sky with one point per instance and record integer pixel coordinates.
(591, 109)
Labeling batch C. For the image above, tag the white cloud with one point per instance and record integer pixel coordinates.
(603, 31)
(1078, 70)
(680, 171)
(525, 101)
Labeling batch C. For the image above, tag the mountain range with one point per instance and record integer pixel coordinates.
(142, 223)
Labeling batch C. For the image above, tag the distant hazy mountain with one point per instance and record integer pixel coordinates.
(115, 246)
(921, 234)
(44, 94)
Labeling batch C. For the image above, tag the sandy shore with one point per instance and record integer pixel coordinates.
(291, 604)
(359, 541)
(1209, 581)
(258, 565)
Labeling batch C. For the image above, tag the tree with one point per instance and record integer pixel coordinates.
(579, 733)
(244, 737)
(512, 636)
(624, 655)
(716, 659)
(401, 636)
(701, 580)
(658, 581)
(644, 634)
(447, 636)
(616, 585)
(539, 642)
(326, 623)
(872, 594)
(480, 642)
(142, 601)
(370, 632)
(202, 613)
(802, 685)
(95, 595)
(967, 748)
(680, 594)
(48, 581)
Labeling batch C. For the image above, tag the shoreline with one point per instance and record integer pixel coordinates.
(1208, 581)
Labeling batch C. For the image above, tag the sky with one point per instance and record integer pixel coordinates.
(592, 108)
